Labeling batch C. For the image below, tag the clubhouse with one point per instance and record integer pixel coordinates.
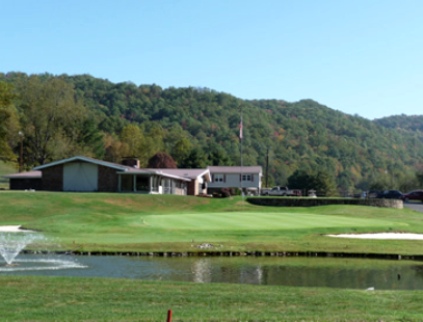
(84, 174)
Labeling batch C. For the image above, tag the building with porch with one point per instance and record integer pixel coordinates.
(84, 174)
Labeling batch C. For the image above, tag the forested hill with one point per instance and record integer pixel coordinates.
(402, 122)
(200, 127)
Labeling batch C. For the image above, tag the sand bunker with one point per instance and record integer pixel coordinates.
(13, 229)
(398, 236)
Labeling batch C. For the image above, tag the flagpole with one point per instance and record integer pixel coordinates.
(240, 140)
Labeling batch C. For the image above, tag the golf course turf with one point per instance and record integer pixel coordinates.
(147, 223)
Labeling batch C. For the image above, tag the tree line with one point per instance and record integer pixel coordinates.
(54, 117)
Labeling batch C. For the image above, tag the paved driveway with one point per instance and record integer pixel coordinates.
(414, 205)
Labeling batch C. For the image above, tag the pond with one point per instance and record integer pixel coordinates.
(288, 271)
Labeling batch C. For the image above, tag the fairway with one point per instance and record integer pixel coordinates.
(257, 221)
(157, 223)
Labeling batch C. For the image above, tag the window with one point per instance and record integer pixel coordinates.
(219, 178)
(247, 177)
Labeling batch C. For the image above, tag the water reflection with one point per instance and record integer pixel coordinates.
(310, 272)
(202, 271)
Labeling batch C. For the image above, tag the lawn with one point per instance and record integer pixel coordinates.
(131, 222)
(256, 221)
(87, 299)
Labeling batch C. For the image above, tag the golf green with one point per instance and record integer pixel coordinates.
(257, 221)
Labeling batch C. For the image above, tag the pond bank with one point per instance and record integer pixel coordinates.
(235, 254)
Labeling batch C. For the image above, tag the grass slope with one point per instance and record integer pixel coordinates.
(131, 222)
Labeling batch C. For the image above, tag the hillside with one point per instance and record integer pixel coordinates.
(299, 136)
(5, 169)
(402, 123)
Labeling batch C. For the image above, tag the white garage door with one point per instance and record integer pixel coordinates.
(80, 176)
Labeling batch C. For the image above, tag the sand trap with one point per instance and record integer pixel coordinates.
(12, 229)
(397, 236)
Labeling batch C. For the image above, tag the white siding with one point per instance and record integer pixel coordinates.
(232, 180)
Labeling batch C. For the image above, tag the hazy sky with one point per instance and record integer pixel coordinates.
(361, 57)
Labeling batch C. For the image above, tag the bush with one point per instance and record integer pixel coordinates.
(226, 192)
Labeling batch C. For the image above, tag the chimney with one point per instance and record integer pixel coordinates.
(131, 162)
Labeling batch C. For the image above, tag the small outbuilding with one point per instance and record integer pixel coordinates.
(30, 180)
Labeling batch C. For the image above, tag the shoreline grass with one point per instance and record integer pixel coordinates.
(99, 299)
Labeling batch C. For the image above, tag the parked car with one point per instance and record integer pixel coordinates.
(391, 194)
(413, 195)
(281, 191)
(373, 193)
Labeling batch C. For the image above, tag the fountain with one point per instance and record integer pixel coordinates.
(13, 240)
(11, 244)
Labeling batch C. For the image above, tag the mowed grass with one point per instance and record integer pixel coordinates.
(257, 221)
(100, 299)
(113, 222)
(131, 222)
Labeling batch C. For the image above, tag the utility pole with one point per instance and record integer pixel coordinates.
(267, 167)
(241, 136)
(21, 135)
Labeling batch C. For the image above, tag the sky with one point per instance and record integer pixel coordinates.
(360, 57)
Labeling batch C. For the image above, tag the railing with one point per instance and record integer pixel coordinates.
(174, 191)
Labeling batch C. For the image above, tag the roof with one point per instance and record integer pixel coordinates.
(188, 173)
(25, 175)
(159, 172)
(181, 174)
(237, 169)
(84, 159)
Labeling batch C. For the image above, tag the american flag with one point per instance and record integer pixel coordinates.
(240, 129)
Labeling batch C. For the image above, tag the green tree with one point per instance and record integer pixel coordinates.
(303, 135)
(195, 159)
(178, 143)
(49, 111)
(325, 184)
(419, 177)
(133, 137)
(301, 180)
(115, 150)
(218, 156)
(322, 182)
(380, 181)
(142, 142)
(91, 139)
(6, 117)
(181, 149)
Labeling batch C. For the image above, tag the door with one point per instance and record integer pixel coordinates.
(80, 176)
